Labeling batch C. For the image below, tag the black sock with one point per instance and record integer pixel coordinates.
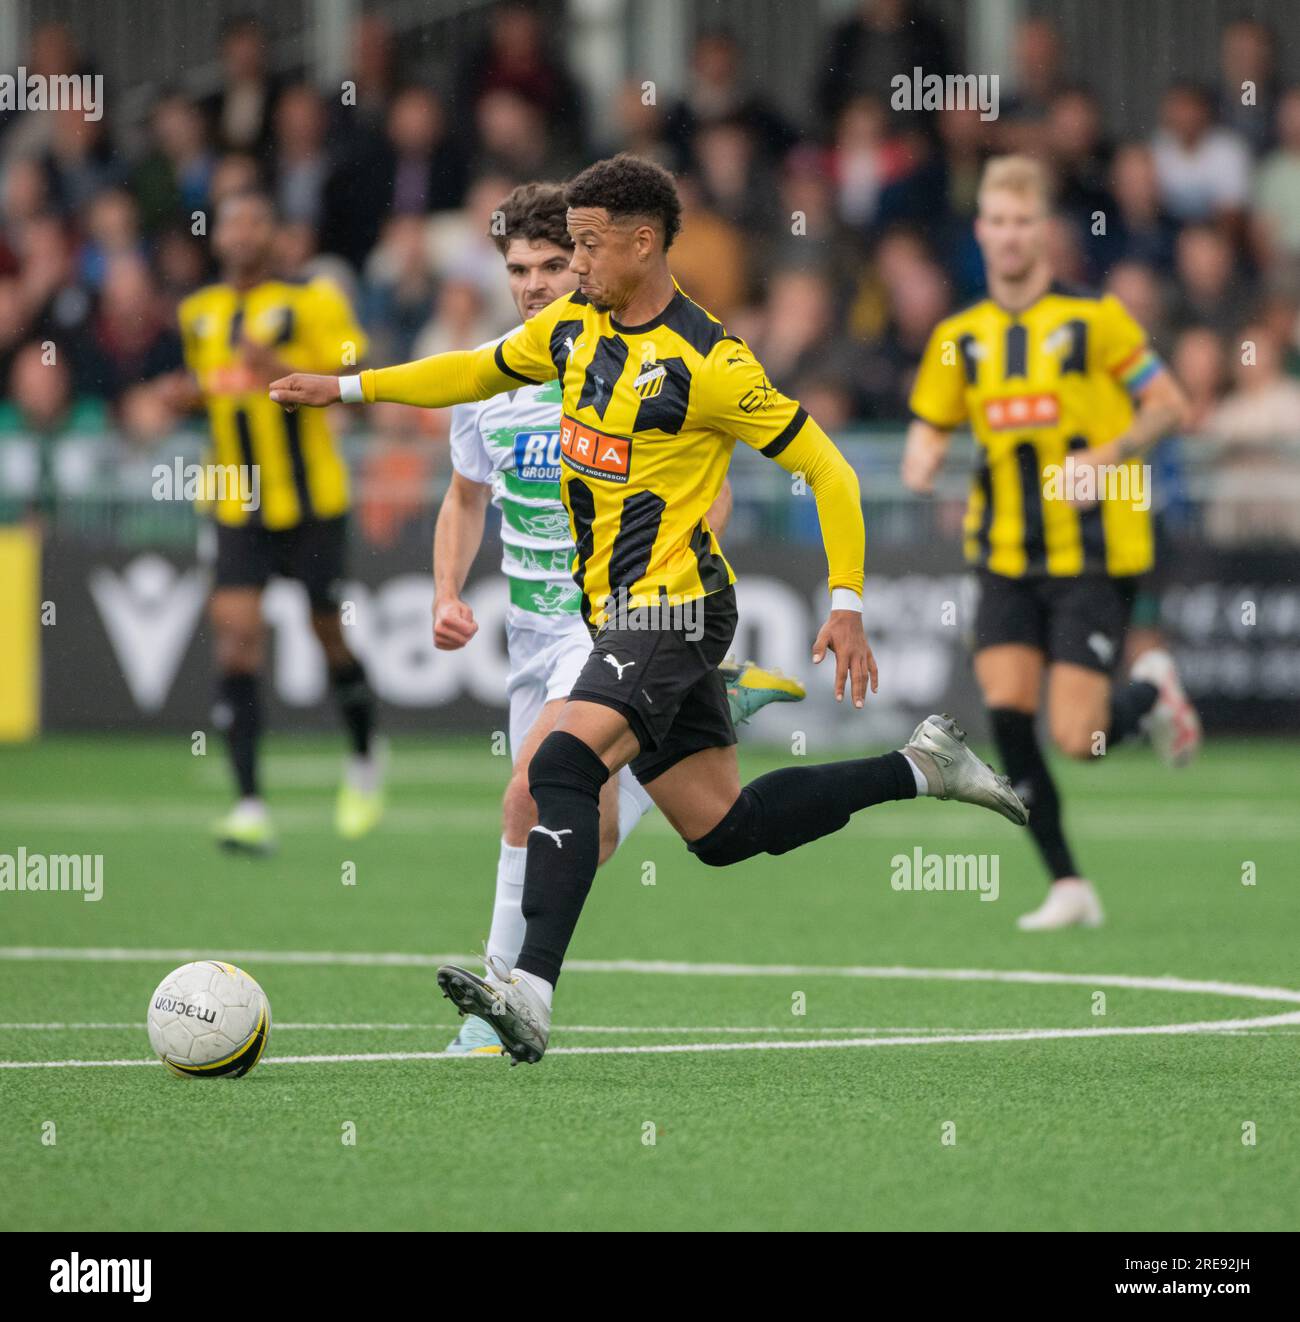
(356, 703)
(565, 777)
(239, 713)
(1127, 707)
(1023, 762)
(788, 808)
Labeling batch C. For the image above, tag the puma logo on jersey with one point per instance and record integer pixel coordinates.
(555, 835)
(620, 666)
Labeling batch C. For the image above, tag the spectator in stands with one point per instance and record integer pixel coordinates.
(864, 159)
(716, 90)
(710, 256)
(460, 318)
(239, 115)
(460, 240)
(733, 179)
(1201, 366)
(172, 182)
(513, 138)
(41, 406)
(1211, 291)
(24, 196)
(398, 289)
(57, 305)
(810, 232)
(1276, 229)
(1247, 92)
(1138, 229)
(1079, 156)
(375, 81)
(131, 339)
(1038, 76)
(236, 172)
(1255, 492)
(79, 159)
(915, 305)
(302, 163)
(637, 126)
(865, 52)
(52, 53)
(419, 167)
(798, 335)
(515, 58)
(1138, 287)
(112, 229)
(1204, 170)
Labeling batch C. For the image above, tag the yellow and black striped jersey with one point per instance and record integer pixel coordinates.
(1035, 385)
(311, 328)
(649, 417)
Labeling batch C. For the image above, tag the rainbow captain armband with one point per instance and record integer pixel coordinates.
(1139, 369)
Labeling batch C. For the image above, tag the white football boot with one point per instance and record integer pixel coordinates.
(1071, 902)
(1172, 724)
(505, 1000)
(952, 771)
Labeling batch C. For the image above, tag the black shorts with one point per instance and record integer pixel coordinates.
(665, 680)
(312, 552)
(1080, 620)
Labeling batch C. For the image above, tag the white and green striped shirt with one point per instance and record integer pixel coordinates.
(512, 443)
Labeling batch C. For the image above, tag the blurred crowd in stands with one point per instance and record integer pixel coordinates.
(833, 246)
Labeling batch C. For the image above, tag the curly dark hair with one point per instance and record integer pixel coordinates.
(532, 211)
(626, 186)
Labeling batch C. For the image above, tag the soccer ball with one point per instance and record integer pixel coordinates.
(209, 1020)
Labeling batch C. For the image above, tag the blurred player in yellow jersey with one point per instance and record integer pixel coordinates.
(287, 513)
(1063, 395)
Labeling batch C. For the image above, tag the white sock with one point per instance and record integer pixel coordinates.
(543, 988)
(922, 785)
(506, 938)
(251, 807)
(633, 804)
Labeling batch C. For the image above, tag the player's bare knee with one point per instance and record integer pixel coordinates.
(518, 811)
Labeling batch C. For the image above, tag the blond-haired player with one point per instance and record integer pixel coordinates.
(1064, 395)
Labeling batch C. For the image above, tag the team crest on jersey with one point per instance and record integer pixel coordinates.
(537, 456)
(595, 453)
(1039, 410)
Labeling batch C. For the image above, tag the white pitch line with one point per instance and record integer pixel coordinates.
(563, 1028)
(1217, 1026)
(679, 968)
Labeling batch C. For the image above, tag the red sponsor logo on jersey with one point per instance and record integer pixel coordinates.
(1014, 411)
(595, 453)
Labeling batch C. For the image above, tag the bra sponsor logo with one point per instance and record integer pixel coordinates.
(595, 453)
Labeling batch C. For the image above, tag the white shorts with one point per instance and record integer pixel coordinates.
(544, 666)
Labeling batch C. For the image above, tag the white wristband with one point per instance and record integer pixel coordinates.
(350, 391)
(845, 599)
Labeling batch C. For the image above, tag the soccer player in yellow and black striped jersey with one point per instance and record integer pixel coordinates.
(286, 514)
(655, 395)
(1063, 394)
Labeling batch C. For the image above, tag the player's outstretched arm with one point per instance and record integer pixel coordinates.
(441, 381)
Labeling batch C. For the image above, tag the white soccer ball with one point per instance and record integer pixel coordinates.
(209, 1020)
